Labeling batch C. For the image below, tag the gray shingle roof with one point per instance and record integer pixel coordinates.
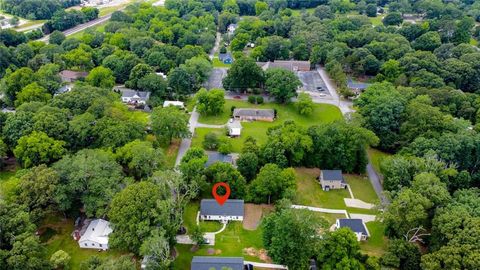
(216, 156)
(355, 224)
(254, 112)
(231, 207)
(209, 262)
(357, 85)
(332, 175)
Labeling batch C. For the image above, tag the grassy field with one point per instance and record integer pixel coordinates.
(171, 153)
(362, 188)
(8, 183)
(323, 113)
(376, 157)
(190, 216)
(377, 243)
(58, 236)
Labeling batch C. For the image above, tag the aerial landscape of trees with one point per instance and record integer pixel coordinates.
(85, 153)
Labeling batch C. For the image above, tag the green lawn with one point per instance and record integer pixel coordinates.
(59, 237)
(362, 188)
(376, 157)
(298, 12)
(473, 42)
(323, 113)
(219, 64)
(8, 183)
(377, 242)
(190, 216)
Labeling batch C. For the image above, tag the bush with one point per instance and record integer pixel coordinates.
(223, 49)
(225, 146)
(231, 110)
(252, 99)
(210, 141)
(259, 100)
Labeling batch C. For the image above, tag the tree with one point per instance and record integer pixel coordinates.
(427, 42)
(101, 77)
(134, 215)
(225, 172)
(137, 73)
(210, 102)
(260, 7)
(192, 166)
(121, 63)
(247, 165)
(169, 123)
(56, 37)
(154, 84)
(272, 184)
(157, 249)
(112, 132)
(60, 260)
(290, 236)
(323, 12)
(393, 18)
(282, 84)
(244, 74)
(38, 148)
(17, 125)
(91, 177)
(27, 253)
(371, 10)
(339, 250)
(16, 81)
(199, 69)
(38, 186)
(32, 92)
(304, 104)
(197, 235)
(180, 82)
(14, 222)
(402, 255)
(140, 158)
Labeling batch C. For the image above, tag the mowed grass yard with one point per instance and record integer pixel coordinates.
(57, 236)
(323, 113)
(231, 242)
(8, 182)
(376, 158)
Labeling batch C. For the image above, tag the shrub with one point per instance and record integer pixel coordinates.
(252, 99)
(225, 146)
(259, 100)
(223, 49)
(210, 141)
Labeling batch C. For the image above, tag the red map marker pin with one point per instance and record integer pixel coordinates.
(221, 199)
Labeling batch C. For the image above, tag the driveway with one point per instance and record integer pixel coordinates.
(185, 144)
(312, 81)
(377, 185)
(215, 79)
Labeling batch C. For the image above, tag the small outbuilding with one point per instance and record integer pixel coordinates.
(332, 179)
(231, 28)
(226, 58)
(96, 235)
(231, 210)
(356, 225)
(179, 104)
(245, 114)
(217, 263)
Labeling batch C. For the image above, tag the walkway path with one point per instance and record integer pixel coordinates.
(266, 265)
(321, 210)
(356, 203)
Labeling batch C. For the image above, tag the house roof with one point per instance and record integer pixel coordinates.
(357, 85)
(97, 231)
(131, 93)
(355, 224)
(70, 74)
(332, 175)
(216, 156)
(223, 56)
(254, 112)
(167, 103)
(216, 263)
(229, 208)
(285, 64)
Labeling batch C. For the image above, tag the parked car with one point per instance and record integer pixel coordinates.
(323, 95)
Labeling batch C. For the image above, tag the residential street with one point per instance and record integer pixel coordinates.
(216, 46)
(185, 144)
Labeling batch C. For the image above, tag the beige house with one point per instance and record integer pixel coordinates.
(331, 179)
(267, 115)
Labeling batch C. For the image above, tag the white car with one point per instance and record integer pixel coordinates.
(322, 95)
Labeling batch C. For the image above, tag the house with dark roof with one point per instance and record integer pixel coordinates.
(217, 263)
(69, 76)
(357, 87)
(218, 157)
(245, 114)
(331, 179)
(356, 225)
(232, 209)
(226, 58)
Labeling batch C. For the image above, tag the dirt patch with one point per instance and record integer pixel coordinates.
(261, 254)
(254, 213)
(194, 248)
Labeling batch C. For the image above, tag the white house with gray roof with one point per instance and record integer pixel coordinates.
(356, 225)
(231, 210)
(96, 235)
(245, 114)
(217, 263)
(131, 96)
(332, 179)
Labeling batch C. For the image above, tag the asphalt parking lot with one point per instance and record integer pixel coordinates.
(312, 82)
(215, 80)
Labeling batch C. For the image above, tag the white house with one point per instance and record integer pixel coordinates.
(356, 225)
(231, 28)
(332, 179)
(96, 235)
(131, 96)
(179, 104)
(234, 128)
(231, 210)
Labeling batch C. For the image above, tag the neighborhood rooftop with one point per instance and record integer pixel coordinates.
(97, 231)
(210, 207)
(254, 112)
(216, 263)
(216, 156)
(332, 175)
(355, 224)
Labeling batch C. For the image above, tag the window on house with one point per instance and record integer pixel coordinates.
(85, 244)
(93, 244)
(100, 245)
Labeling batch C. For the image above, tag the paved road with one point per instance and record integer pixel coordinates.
(185, 144)
(344, 105)
(216, 46)
(215, 79)
(377, 185)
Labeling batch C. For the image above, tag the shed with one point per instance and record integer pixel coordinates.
(234, 128)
